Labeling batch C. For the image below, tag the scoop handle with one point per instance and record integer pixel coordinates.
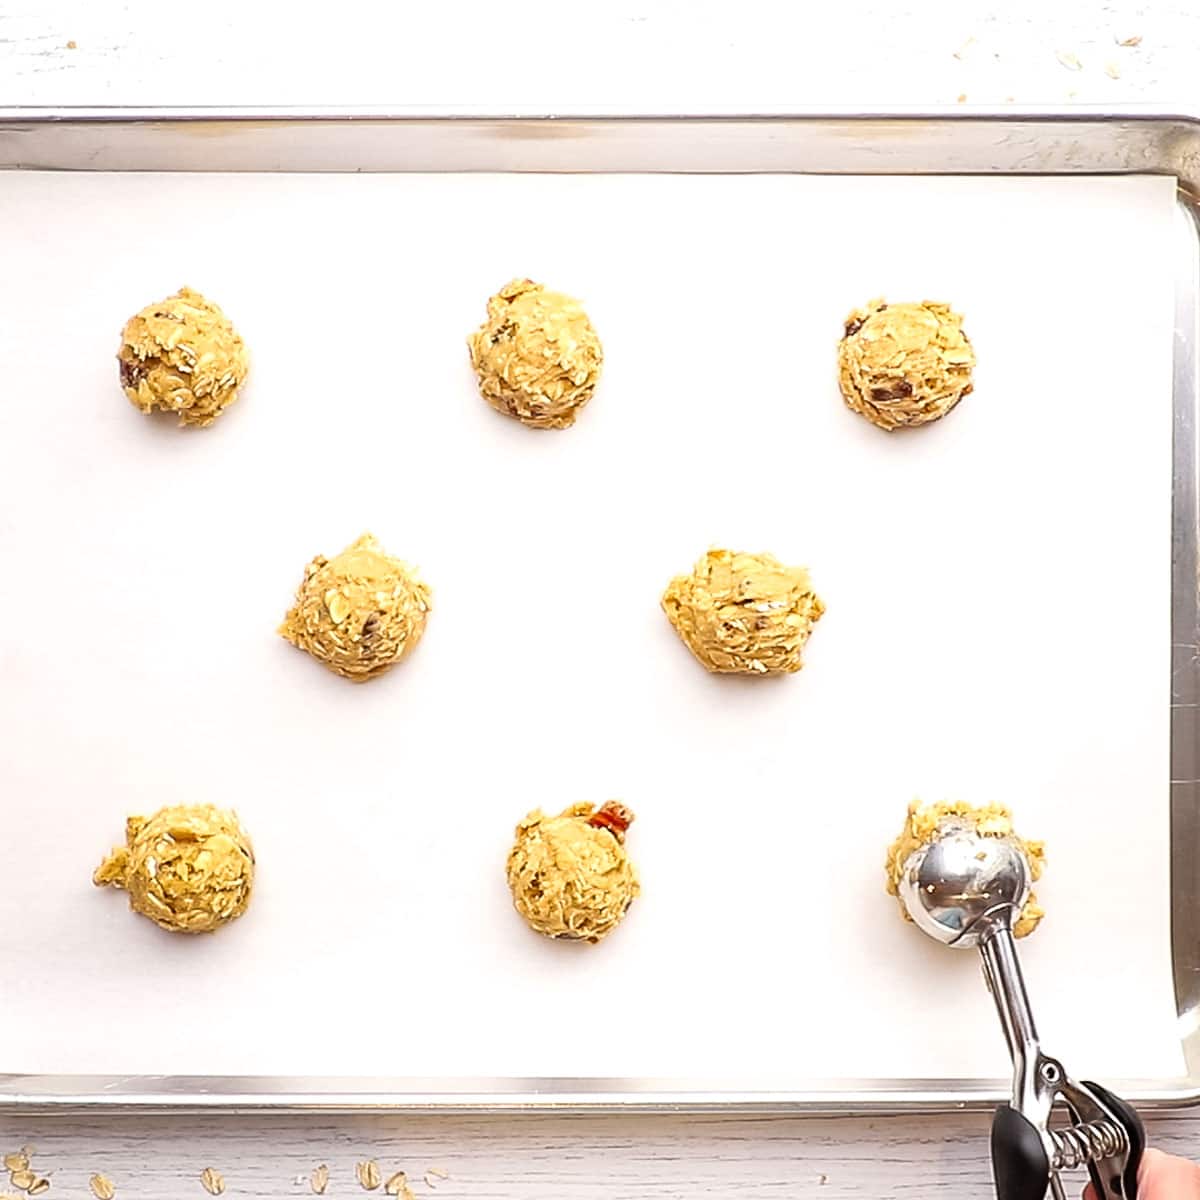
(1020, 1168)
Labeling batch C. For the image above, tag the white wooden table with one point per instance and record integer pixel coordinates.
(563, 55)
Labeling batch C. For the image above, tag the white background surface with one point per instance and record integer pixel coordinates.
(625, 55)
(968, 614)
(671, 56)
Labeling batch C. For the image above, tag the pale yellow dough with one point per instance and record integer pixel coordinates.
(182, 355)
(189, 869)
(744, 614)
(360, 612)
(536, 357)
(569, 875)
(904, 364)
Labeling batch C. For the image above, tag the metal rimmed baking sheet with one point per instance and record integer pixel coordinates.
(610, 140)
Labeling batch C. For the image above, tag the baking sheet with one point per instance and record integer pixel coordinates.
(998, 624)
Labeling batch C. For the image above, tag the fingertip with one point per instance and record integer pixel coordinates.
(1167, 1175)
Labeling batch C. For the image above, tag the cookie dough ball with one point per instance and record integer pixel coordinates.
(183, 356)
(904, 364)
(189, 869)
(989, 820)
(744, 614)
(570, 876)
(360, 612)
(537, 356)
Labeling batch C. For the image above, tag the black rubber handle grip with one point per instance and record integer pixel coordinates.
(1125, 1185)
(1020, 1167)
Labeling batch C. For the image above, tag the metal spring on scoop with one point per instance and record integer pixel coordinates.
(1077, 1145)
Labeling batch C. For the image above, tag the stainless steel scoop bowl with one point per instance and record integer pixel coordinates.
(962, 886)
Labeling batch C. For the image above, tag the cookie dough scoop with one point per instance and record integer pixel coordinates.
(966, 889)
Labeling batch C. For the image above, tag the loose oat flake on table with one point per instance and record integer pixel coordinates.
(213, 1181)
(536, 357)
(368, 1174)
(358, 613)
(989, 820)
(182, 355)
(904, 364)
(570, 875)
(102, 1187)
(188, 868)
(744, 614)
(397, 1185)
(319, 1180)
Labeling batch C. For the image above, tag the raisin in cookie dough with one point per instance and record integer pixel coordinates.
(190, 869)
(744, 614)
(904, 364)
(537, 357)
(360, 612)
(570, 875)
(182, 356)
(989, 820)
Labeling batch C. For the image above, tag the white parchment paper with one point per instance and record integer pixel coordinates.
(998, 623)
